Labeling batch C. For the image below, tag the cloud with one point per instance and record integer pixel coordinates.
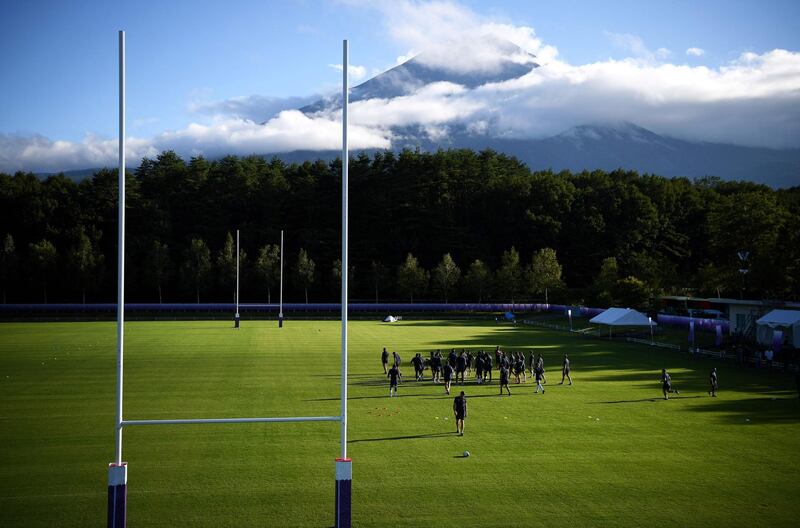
(751, 100)
(636, 48)
(356, 72)
(437, 28)
(40, 154)
(257, 108)
(695, 52)
(289, 130)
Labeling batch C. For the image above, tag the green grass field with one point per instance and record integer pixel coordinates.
(606, 451)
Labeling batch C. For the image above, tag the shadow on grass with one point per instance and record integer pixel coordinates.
(655, 399)
(453, 395)
(771, 409)
(410, 437)
(382, 396)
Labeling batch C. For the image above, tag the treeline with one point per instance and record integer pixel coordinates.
(450, 225)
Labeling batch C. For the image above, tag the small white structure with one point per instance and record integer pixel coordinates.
(622, 317)
(390, 319)
(786, 321)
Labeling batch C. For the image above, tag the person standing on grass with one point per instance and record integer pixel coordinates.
(448, 377)
(418, 366)
(538, 373)
(504, 374)
(461, 366)
(519, 368)
(436, 366)
(385, 360)
(394, 377)
(397, 360)
(540, 364)
(565, 371)
(460, 412)
(666, 384)
(487, 366)
(479, 367)
(532, 363)
(470, 359)
(452, 358)
(712, 379)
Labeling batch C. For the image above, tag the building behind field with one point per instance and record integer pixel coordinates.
(741, 314)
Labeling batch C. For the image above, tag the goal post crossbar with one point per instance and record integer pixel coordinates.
(189, 421)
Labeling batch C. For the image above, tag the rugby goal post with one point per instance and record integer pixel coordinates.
(118, 470)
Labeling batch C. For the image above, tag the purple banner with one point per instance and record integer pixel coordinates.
(691, 332)
(777, 341)
(718, 338)
(703, 325)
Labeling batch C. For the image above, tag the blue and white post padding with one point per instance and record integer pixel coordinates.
(117, 495)
(344, 479)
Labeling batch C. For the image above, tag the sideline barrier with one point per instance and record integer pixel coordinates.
(262, 308)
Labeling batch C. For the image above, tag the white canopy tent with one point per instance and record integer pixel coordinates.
(622, 317)
(786, 321)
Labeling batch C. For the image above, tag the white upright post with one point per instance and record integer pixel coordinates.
(650, 320)
(344, 470)
(280, 306)
(236, 316)
(118, 470)
(569, 314)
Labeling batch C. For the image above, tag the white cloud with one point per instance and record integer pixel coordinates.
(437, 28)
(258, 108)
(636, 48)
(356, 72)
(289, 130)
(752, 100)
(695, 52)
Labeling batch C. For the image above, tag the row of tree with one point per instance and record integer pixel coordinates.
(450, 225)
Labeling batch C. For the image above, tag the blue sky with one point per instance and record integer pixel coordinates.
(58, 59)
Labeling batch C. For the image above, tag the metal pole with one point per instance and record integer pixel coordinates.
(118, 470)
(280, 309)
(236, 316)
(344, 471)
(345, 160)
(121, 247)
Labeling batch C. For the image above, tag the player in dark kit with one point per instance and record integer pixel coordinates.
(565, 371)
(540, 364)
(712, 379)
(538, 372)
(461, 366)
(460, 412)
(666, 384)
(504, 373)
(487, 366)
(418, 366)
(397, 360)
(436, 366)
(385, 360)
(448, 377)
(394, 376)
(452, 358)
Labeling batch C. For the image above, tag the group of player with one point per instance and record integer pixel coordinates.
(456, 366)
(667, 388)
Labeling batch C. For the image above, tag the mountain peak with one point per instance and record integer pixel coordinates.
(504, 59)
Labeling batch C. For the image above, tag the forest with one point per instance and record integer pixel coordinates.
(454, 225)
